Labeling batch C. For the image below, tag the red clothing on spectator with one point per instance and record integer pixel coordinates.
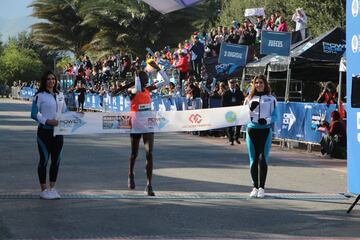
(183, 64)
(282, 27)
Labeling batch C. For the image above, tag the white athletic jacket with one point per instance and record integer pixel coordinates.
(266, 109)
(47, 106)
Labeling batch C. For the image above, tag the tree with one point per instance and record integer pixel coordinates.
(129, 26)
(19, 64)
(322, 15)
(63, 28)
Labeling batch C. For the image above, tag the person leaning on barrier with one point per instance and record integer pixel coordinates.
(233, 97)
(333, 143)
(263, 114)
(46, 108)
(140, 100)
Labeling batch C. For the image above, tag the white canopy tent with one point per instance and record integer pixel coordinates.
(166, 6)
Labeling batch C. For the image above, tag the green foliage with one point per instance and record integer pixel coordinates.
(19, 64)
(63, 62)
(102, 27)
(63, 28)
(322, 15)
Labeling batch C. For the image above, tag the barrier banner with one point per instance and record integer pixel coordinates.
(278, 43)
(27, 92)
(233, 53)
(299, 121)
(151, 121)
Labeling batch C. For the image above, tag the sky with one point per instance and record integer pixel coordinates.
(11, 9)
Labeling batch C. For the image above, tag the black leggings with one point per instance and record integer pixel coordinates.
(49, 145)
(258, 138)
(81, 104)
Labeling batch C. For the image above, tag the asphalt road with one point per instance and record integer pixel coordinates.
(201, 184)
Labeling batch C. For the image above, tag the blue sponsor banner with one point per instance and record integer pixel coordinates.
(277, 43)
(233, 53)
(353, 90)
(299, 121)
(27, 92)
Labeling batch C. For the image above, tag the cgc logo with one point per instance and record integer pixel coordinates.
(355, 8)
(195, 118)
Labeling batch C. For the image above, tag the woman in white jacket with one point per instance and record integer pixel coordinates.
(47, 106)
(301, 20)
(262, 107)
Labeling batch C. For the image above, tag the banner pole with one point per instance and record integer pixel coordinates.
(339, 89)
(353, 204)
(243, 79)
(287, 88)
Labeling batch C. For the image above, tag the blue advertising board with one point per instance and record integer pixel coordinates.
(299, 121)
(277, 43)
(353, 94)
(233, 53)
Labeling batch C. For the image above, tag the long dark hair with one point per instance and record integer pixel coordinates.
(267, 89)
(43, 80)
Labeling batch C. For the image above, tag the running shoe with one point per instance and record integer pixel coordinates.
(131, 182)
(254, 193)
(45, 195)
(54, 194)
(149, 191)
(261, 193)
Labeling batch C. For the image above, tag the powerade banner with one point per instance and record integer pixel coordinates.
(233, 53)
(353, 94)
(277, 43)
(299, 121)
(152, 121)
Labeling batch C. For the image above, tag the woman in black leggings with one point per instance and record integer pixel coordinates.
(47, 106)
(262, 107)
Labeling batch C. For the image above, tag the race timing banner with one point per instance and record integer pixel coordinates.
(71, 123)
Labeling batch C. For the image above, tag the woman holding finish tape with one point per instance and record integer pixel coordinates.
(259, 132)
(47, 106)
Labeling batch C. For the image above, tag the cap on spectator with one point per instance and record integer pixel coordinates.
(183, 51)
(196, 37)
(195, 33)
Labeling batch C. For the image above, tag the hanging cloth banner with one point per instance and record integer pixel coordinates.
(151, 121)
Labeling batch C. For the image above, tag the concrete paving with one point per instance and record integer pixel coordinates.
(202, 186)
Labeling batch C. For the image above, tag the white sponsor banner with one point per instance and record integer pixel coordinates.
(150, 121)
